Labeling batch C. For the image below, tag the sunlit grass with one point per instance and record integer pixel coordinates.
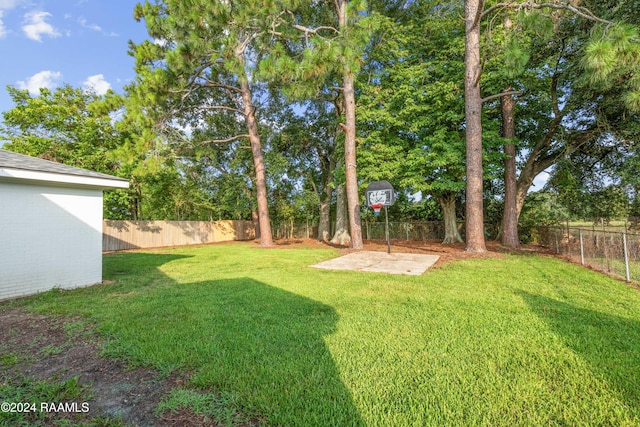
(497, 342)
(613, 225)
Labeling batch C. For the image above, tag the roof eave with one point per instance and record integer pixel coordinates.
(62, 179)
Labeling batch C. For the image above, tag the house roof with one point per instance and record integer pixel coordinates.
(14, 166)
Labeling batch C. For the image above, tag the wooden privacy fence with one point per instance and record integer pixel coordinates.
(121, 235)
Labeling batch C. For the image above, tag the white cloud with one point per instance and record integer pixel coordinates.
(3, 30)
(97, 83)
(35, 25)
(47, 79)
(85, 24)
(9, 4)
(6, 5)
(82, 21)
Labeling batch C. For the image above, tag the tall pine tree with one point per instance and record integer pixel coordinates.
(197, 72)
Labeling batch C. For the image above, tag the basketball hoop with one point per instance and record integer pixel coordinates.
(379, 194)
(376, 208)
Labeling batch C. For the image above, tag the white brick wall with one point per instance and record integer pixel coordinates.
(49, 237)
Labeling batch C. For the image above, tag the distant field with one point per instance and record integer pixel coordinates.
(616, 225)
(513, 341)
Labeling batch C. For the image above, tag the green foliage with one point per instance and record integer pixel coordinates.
(61, 126)
(570, 190)
(610, 202)
(612, 58)
(411, 119)
(196, 80)
(516, 58)
(409, 61)
(71, 126)
(595, 185)
(541, 208)
(79, 128)
(299, 157)
(314, 48)
(578, 83)
(538, 22)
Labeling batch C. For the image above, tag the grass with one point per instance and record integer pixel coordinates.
(524, 340)
(614, 266)
(613, 225)
(222, 408)
(29, 394)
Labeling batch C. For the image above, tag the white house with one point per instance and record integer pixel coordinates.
(50, 224)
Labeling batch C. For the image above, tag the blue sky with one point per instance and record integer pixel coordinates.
(80, 42)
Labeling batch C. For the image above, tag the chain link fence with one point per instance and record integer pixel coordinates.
(429, 230)
(421, 231)
(290, 230)
(615, 252)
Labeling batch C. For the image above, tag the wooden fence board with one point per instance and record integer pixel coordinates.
(121, 235)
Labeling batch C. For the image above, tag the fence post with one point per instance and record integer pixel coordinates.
(626, 256)
(406, 227)
(581, 248)
(555, 233)
(604, 247)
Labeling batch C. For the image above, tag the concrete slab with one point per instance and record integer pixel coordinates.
(381, 262)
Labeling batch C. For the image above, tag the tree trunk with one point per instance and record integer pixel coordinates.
(266, 238)
(473, 107)
(539, 158)
(324, 222)
(447, 202)
(248, 191)
(525, 181)
(510, 213)
(135, 200)
(256, 222)
(353, 200)
(341, 235)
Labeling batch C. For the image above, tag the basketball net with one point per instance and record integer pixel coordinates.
(376, 208)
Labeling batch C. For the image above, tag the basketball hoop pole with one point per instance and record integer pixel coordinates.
(386, 229)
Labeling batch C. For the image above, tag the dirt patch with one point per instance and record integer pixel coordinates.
(447, 253)
(56, 349)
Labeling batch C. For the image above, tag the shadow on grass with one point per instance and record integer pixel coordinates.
(610, 344)
(260, 343)
(137, 268)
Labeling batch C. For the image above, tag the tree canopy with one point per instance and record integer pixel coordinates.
(265, 111)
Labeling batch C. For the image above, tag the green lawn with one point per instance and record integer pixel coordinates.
(496, 342)
(619, 226)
